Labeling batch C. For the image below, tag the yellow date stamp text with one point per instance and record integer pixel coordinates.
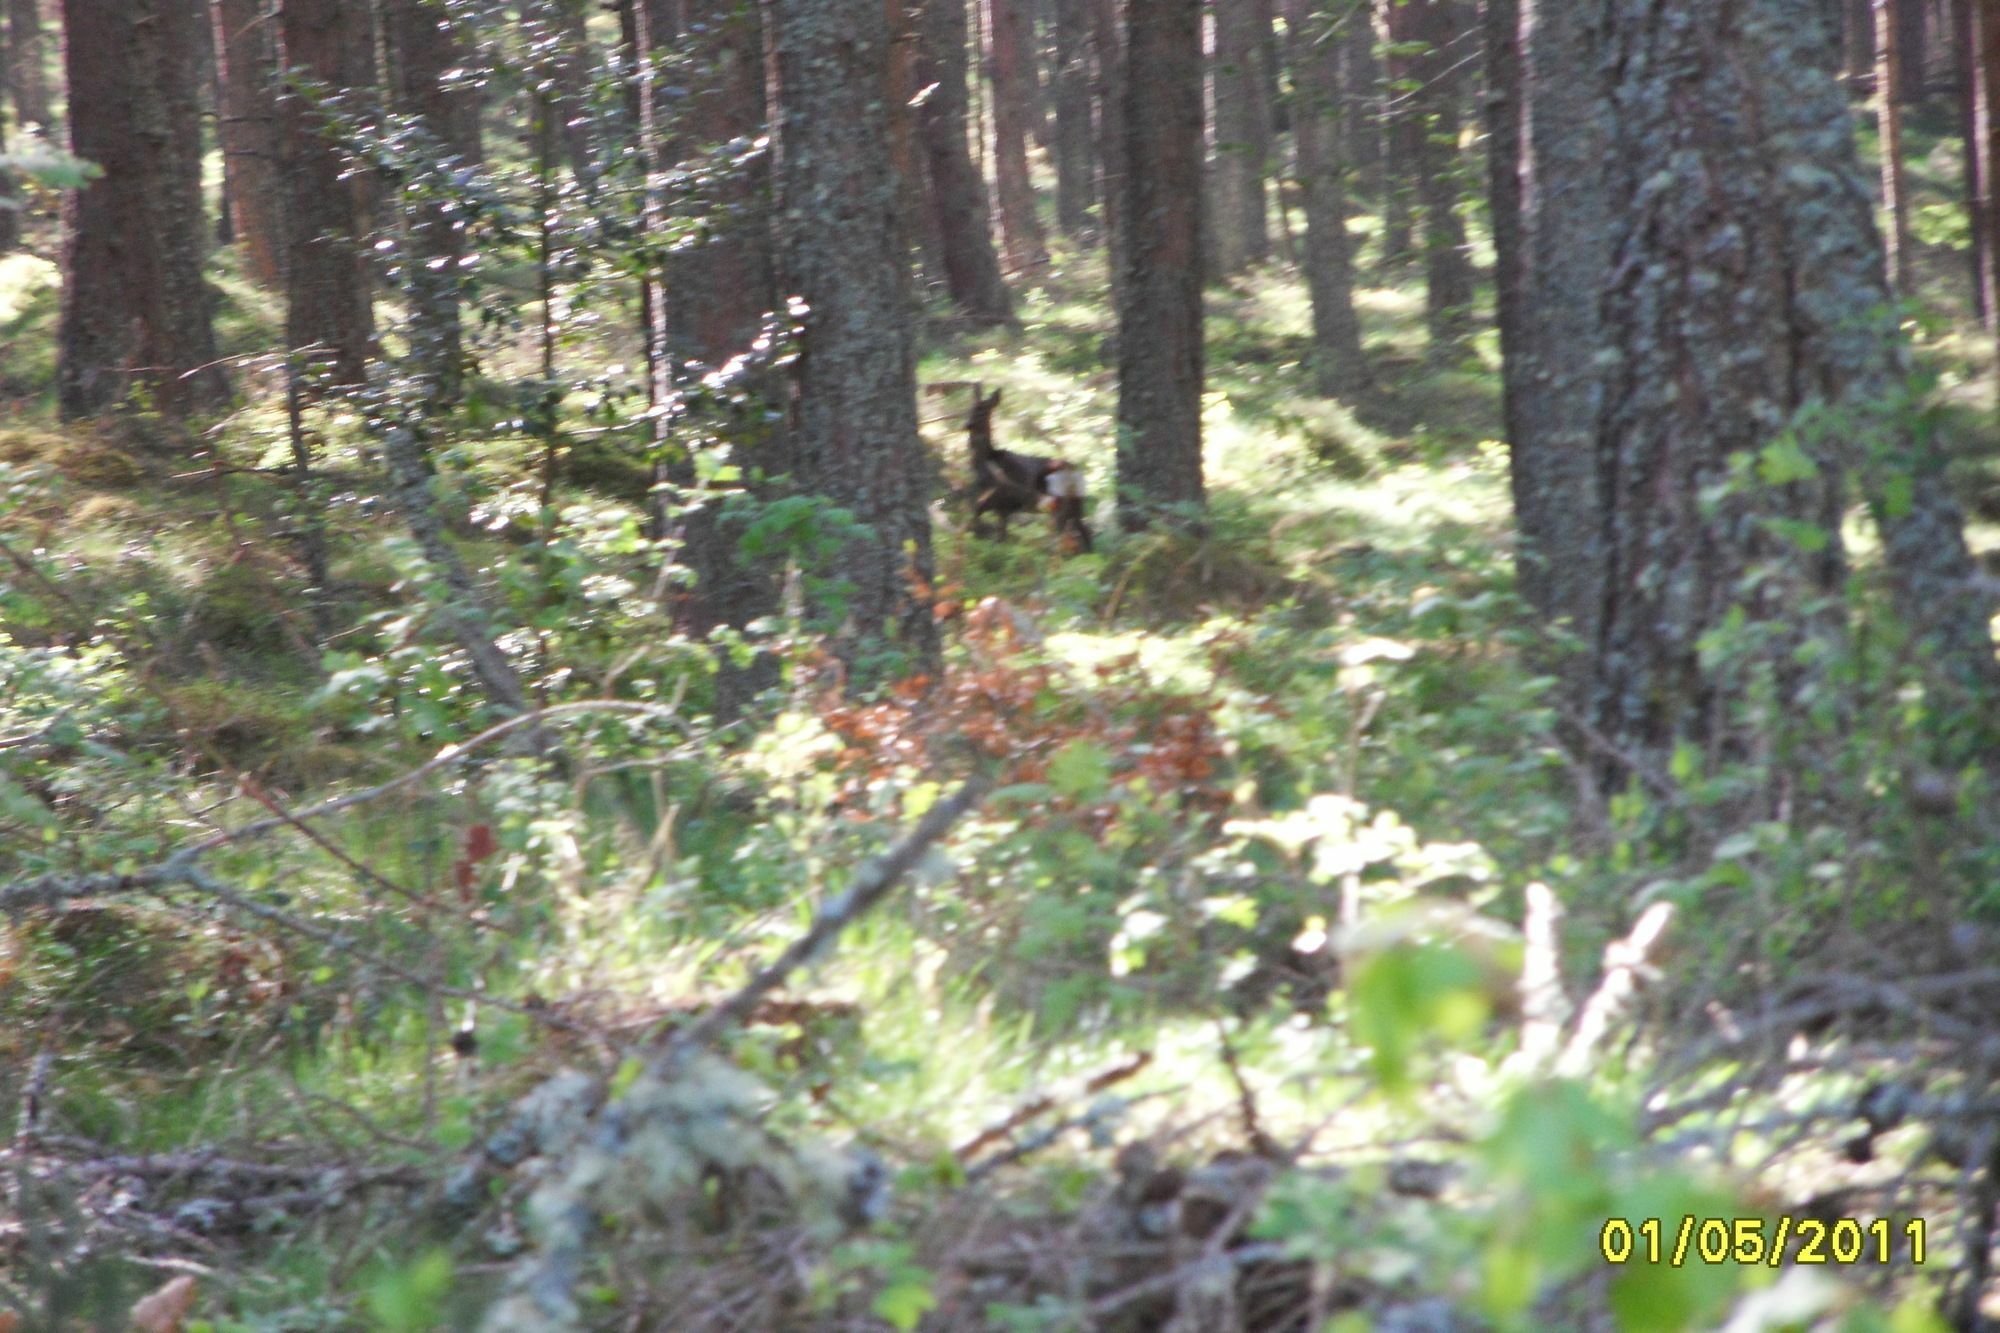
(1770, 1242)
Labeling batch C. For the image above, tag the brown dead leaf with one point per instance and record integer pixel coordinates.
(165, 1310)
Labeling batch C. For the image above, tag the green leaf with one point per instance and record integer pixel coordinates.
(1081, 770)
(1808, 537)
(907, 1299)
(1408, 992)
(411, 1299)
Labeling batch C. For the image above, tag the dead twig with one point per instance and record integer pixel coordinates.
(870, 886)
(1037, 1107)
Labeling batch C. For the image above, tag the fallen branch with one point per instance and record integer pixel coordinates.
(1037, 1107)
(845, 908)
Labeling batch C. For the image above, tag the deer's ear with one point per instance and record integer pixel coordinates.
(991, 401)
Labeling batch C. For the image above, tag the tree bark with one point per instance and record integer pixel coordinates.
(1911, 19)
(1361, 93)
(1075, 161)
(843, 253)
(1242, 141)
(1746, 301)
(26, 74)
(720, 287)
(1505, 171)
(428, 47)
(1560, 256)
(1339, 367)
(328, 309)
(1889, 72)
(1964, 62)
(905, 40)
(1857, 29)
(251, 153)
(1985, 152)
(135, 305)
(1426, 128)
(1013, 109)
(957, 194)
(10, 213)
(1159, 306)
(1108, 52)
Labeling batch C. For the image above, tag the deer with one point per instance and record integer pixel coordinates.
(1005, 483)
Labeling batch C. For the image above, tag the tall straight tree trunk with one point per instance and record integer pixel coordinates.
(10, 217)
(1501, 20)
(1402, 128)
(844, 254)
(1428, 127)
(1242, 141)
(1911, 19)
(957, 194)
(651, 28)
(1013, 109)
(1159, 305)
(1964, 63)
(719, 289)
(1107, 43)
(1075, 161)
(1746, 295)
(1041, 73)
(326, 278)
(903, 17)
(1857, 30)
(1361, 96)
(135, 305)
(1560, 256)
(25, 71)
(1889, 73)
(1339, 369)
(1985, 152)
(428, 48)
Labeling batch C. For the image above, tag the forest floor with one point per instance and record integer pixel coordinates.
(1112, 986)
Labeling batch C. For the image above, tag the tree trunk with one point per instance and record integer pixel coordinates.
(1911, 41)
(1858, 30)
(1985, 152)
(957, 194)
(1339, 368)
(651, 29)
(1965, 65)
(1427, 129)
(720, 287)
(1746, 297)
(1402, 132)
(249, 55)
(10, 213)
(1361, 94)
(1159, 306)
(1013, 108)
(903, 17)
(327, 302)
(428, 48)
(845, 256)
(1505, 165)
(1075, 187)
(1242, 141)
(1560, 256)
(26, 73)
(1108, 49)
(1889, 73)
(135, 305)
